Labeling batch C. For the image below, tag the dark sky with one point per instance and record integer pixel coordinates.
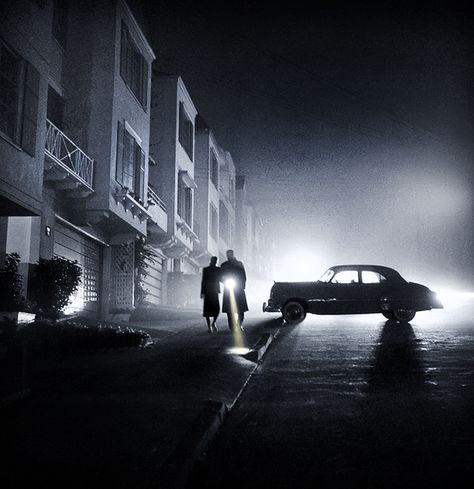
(354, 128)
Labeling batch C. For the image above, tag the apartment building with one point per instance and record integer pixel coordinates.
(250, 237)
(172, 147)
(86, 174)
(227, 202)
(24, 69)
(209, 160)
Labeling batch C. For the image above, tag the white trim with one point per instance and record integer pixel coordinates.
(80, 230)
(138, 31)
(130, 129)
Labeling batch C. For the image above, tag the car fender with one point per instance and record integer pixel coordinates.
(302, 301)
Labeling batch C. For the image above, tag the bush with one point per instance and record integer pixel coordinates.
(11, 297)
(75, 336)
(144, 255)
(55, 281)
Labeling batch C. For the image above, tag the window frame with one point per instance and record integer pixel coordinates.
(130, 165)
(213, 222)
(213, 168)
(25, 92)
(132, 62)
(184, 202)
(185, 131)
(357, 282)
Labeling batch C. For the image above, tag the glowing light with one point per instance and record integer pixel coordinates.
(235, 350)
(452, 298)
(230, 283)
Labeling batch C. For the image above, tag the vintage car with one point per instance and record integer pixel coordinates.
(352, 289)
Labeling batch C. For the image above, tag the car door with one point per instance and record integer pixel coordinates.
(342, 293)
(372, 287)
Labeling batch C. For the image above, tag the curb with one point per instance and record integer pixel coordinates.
(175, 471)
(15, 397)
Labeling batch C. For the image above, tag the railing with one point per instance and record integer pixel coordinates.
(66, 154)
(154, 196)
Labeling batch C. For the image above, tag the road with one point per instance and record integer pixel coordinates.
(354, 401)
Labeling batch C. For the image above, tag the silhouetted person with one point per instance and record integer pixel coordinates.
(234, 270)
(210, 289)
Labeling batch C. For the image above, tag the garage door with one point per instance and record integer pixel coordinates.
(74, 245)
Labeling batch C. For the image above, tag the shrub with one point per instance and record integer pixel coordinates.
(55, 281)
(11, 297)
(76, 336)
(144, 255)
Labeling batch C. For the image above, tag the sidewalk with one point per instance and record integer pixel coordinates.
(113, 419)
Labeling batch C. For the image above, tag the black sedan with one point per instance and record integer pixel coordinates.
(352, 289)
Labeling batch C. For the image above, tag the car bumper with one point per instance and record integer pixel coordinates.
(270, 307)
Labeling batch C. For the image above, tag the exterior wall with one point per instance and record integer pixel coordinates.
(86, 73)
(206, 194)
(171, 158)
(227, 200)
(25, 28)
(97, 99)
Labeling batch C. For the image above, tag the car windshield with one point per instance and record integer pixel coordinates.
(327, 276)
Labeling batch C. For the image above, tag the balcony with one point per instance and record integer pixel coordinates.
(157, 209)
(127, 200)
(67, 167)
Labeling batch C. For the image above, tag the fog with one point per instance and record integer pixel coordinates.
(354, 129)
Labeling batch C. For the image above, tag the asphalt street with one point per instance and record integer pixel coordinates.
(354, 401)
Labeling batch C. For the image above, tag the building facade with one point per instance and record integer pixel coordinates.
(91, 132)
(172, 147)
(227, 202)
(209, 160)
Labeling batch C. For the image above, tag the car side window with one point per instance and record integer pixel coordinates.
(371, 277)
(346, 277)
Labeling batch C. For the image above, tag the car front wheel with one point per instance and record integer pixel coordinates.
(293, 312)
(404, 315)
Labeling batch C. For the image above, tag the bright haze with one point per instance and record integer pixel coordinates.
(354, 128)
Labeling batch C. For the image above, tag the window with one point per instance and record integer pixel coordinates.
(60, 12)
(231, 190)
(185, 200)
(214, 169)
(133, 67)
(19, 86)
(224, 222)
(214, 222)
(346, 277)
(370, 277)
(55, 107)
(130, 166)
(186, 131)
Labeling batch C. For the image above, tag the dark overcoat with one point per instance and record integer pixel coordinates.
(210, 289)
(234, 269)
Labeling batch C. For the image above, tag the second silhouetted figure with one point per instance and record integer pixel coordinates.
(234, 301)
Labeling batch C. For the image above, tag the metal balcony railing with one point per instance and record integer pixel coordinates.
(68, 155)
(154, 197)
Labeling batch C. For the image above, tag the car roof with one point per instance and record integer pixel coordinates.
(387, 271)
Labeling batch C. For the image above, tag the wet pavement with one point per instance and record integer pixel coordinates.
(355, 401)
(113, 418)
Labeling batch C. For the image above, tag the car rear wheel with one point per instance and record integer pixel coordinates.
(293, 312)
(404, 315)
(388, 314)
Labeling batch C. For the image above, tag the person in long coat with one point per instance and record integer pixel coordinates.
(210, 290)
(234, 271)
